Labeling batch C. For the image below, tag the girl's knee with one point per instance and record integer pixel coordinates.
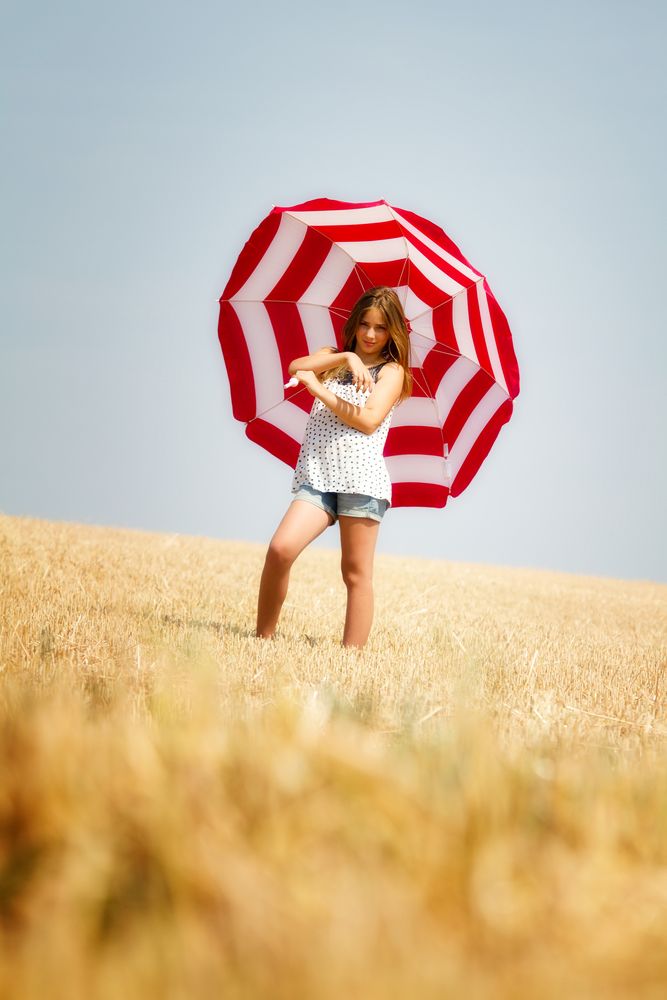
(355, 575)
(280, 555)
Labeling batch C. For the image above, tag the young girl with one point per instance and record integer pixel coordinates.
(341, 473)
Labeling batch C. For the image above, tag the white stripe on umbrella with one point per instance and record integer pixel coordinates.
(417, 469)
(264, 355)
(330, 279)
(376, 252)
(416, 411)
(415, 308)
(474, 425)
(317, 326)
(402, 291)
(452, 384)
(489, 335)
(461, 321)
(342, 216)
(288, 418)
(284, 246)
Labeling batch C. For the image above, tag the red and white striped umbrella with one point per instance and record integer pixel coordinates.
(290, 293)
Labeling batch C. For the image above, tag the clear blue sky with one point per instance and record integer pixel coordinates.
(143, 143)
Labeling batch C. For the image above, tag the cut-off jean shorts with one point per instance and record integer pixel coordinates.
(349, 504)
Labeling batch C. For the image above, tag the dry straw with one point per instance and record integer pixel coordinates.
(475, 804)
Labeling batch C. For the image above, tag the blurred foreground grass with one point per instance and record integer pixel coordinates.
(475, 804)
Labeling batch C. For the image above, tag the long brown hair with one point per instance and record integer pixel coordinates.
(397, 347)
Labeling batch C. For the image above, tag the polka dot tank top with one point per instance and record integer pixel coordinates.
(336, 458)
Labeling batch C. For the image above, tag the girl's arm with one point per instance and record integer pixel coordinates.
(328, 357)
(362, 418)
(319, 361)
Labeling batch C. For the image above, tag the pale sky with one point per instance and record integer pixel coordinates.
(143, 142)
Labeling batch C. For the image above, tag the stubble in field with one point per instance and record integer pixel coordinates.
(476, 802)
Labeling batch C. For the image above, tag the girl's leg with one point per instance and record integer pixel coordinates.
(358, 536)
(302, 523)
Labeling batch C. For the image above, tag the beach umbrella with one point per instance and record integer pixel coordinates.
(291, 290)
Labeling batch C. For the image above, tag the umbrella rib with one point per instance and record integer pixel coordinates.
(286, 302)
(441, 427)
(286, 399)
(464, 288)
(435, 345)
(405, 240)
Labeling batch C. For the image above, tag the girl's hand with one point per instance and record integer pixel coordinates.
(360, 373)
(309, 379)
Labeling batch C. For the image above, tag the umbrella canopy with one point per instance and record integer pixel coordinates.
(290, 293)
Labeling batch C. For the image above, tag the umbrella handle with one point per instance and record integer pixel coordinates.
(292, 382)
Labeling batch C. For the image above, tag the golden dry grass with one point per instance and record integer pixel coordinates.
(475, 805)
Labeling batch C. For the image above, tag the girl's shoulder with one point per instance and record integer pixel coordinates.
(391, 366)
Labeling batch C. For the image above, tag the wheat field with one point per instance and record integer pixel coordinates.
(473, 805)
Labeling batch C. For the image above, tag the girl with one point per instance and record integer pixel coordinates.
(341, 473)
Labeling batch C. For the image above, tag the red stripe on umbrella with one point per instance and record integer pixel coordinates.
(289, 332)
(443, 325)
(237, 362)
(504, 339)
(429, 294)
(275, 441)
(362, 232)
(477, 330)
(349, 292)
(418, 495)
(387, 272)
(482, 447)
(463, 405)
(251, 255)
(308, 261)
(435, 366)
(326, 204)
(414, 441)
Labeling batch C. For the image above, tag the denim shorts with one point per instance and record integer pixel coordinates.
(348, 504)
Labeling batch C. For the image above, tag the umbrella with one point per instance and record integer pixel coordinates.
(289, 294)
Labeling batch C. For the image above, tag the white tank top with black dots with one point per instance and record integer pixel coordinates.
(336, 458)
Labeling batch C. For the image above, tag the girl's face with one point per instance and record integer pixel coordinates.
(372, 333)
